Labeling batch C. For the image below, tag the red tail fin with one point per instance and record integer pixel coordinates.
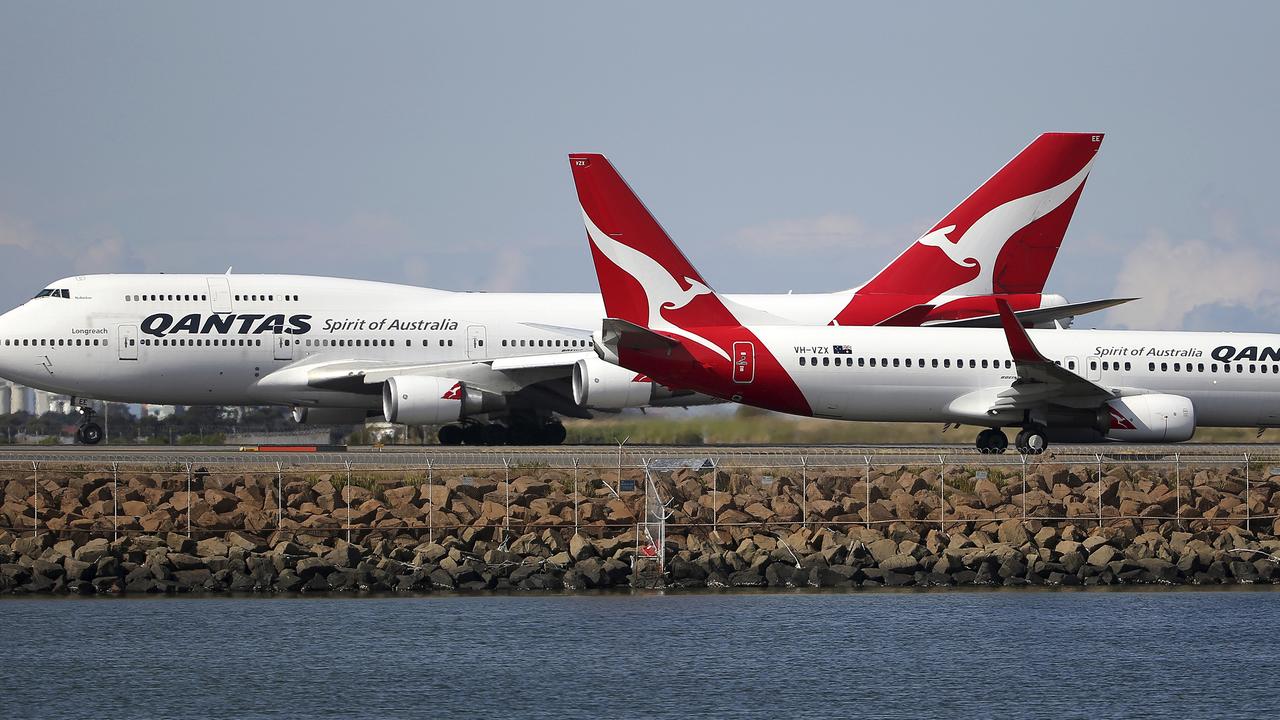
(1002, 239)
(644, 278)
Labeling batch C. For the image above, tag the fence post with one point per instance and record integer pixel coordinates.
(431, 505)
(575, 496)
(618, 489)
(1098, 458)
(715, 513)
(188, 499)
(346, 495)
(867, 480)
(115, 502)
(942, 494)
(1177, 488)
(1024, 489)
(804, 492)
(279, 496)
(1248, 516)
(35, 499)
(506, 512)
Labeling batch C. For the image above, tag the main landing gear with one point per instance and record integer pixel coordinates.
(517, 432)
(1030, 441)
(89, 432)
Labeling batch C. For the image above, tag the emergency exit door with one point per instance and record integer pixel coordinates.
(475, 341)
(127, 342)
(744, 362)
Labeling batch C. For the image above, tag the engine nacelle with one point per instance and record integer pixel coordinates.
(1150, 418)
(422, 399)
(329, 416)
(599, 385)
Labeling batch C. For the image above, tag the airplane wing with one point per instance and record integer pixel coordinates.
(1035, 316)
(1040, 380)
(498, 375)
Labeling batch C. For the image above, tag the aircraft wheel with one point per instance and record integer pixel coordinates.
(90, 433)
(523, 433)
(495, 434)
(553, 433)
(450, 434)
(1032, 440)
(473, 433)
(992, 441)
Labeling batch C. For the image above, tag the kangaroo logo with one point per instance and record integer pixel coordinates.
(453, 393)
(983, 240)
(662, 290)
(1119, 421)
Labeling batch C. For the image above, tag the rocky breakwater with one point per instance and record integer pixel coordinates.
(895, 526)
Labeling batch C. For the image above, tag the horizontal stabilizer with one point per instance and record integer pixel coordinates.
(1036, 316)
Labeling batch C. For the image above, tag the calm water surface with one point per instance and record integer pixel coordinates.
(959, 654)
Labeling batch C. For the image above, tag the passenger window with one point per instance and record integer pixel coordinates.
(972, 364)
(895, 362)
(1164, 367)
(984, 364)
(862, 362)
(826, 361)
(1151, 367)
(1129, 366)
(802, 362)
(1177, 367)
(935, 362)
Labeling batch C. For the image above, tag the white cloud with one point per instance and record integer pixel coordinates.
(837, 231)
(105, 255)
(1189, 283)
(18, 233)
(509, 266)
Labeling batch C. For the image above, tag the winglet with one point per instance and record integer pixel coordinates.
(1020, 345)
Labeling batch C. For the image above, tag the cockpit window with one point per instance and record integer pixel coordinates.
(54, 292)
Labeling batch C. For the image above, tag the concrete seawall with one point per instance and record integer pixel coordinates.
(172, 529)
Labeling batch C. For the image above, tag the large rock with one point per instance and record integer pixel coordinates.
(211, 547)
(93, 550)
(883, 549)
(580, 548)
(899, 563)
(1013, 532)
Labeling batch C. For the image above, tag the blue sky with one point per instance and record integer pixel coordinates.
(785, 146)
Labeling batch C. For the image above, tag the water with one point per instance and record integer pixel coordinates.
(1179, 653)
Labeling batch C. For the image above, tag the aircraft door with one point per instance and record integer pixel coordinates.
(283, 346)
(744, 362)
(1093, 366)
(127, 342)
(475, 341)
(219, 295)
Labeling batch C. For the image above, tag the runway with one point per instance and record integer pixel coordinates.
(600, 456)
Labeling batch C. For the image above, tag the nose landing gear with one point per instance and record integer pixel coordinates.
(89, 432)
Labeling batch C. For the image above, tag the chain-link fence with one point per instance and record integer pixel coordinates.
(603, 494)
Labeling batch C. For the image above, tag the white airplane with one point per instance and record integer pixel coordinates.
(665, 321)
(492, 367)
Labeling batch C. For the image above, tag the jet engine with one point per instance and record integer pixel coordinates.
(329, 416)
(599, 385)
(1150, 418)
(429, 400)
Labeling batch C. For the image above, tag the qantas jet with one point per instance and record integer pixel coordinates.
(493, 367)
(664, 321)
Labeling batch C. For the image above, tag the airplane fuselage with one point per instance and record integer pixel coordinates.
(956, 374)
